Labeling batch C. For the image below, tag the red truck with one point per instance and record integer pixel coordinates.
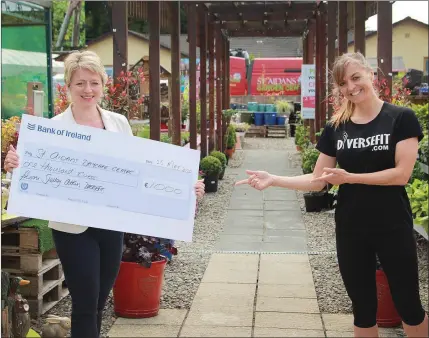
(267, 76)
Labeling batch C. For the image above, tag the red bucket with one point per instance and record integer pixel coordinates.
(387, 316)
(137, 290)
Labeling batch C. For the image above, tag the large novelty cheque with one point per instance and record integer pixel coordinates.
(80, 175)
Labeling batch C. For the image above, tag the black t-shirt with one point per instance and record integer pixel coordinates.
(367, 148)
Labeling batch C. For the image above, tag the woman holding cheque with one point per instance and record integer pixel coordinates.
(90, 256)
(375, 143)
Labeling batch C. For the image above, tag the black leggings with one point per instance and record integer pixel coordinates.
(91, 263)
(397, 252)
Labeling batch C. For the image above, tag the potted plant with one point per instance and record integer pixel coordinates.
(231, 139)
(222, 158)
(387, 315)
(137, 289)
(302, 137)
(417, 192)
(211, 168)
(315, 201)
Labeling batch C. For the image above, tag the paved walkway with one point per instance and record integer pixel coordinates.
(260, 283)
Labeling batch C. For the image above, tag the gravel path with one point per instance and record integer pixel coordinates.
(184, 273)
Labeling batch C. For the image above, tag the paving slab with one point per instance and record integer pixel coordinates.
(251, 222)
(284, 259)
(221, 295)
(287, 291)
(216, 331)
(165, 317)
(144, 331)
(245, 205)
(237, 230)
(238, 246)
(382, 332)
(298, 305)
(282, 219)
(283, 320)
(273, 233)
(274, 332)
(224, 317)
(338, 322)
(240, 238)
(281, 205)
(292, 273)
(286, 244)
(232, 269)
(279, 195)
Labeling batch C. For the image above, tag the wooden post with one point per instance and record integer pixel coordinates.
(310, 60)
(192, 38)
(120, 38)
(210, 37)
(323, 70)
(384, 42)
(359, 23)
(342, 27)
(175, 108)
(319, 75)
(224, 90)
(203, 80)
(228, 76)
(154, 69)
(218, 46)
(332, 35)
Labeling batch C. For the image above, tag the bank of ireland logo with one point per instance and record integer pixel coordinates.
(31, 126)
(24, 186)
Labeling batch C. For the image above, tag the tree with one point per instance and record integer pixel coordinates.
(59, 9)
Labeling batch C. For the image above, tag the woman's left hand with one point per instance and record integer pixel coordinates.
(334, 176)
(199, 189)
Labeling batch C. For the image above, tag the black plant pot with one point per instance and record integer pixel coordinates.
(211, 182)
(222, 173)
(317, 201)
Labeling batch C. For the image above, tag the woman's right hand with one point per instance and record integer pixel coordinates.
(259, 180)
(12, 159)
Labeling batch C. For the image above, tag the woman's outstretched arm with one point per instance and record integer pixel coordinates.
(261, 180)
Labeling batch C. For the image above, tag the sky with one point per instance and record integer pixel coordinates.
(400, 9)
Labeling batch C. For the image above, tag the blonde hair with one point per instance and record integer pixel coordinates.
(347, 108)
(83, 60)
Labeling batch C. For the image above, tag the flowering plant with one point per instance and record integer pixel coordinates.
(9, 133)
(146, 249)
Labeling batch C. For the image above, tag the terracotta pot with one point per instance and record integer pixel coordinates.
(229, 152)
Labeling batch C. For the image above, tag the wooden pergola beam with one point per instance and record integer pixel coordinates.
(154, 66)
(175, 108)
(211, 54)
(332, 35)
(268, 33)
(359, 26)
(120, 36)
(218, 53)
(384, 42)
(342, 27)
(203, 82)
(192, 39)
(264, 9)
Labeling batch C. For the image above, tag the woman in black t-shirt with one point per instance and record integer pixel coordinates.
(375, 144)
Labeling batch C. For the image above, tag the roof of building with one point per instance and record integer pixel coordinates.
(350, 35)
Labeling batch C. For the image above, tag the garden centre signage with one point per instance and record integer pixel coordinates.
(81, 175)
(308, 91)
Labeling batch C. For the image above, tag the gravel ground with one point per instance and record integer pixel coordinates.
(184, 273)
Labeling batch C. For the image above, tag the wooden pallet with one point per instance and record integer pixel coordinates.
(255, 131)
(44, 302)
(16, 261)
(276, 131)
(25, 239)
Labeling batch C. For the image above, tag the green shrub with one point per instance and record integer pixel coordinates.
(418, 195)
(220, 156)
(422, 114)
(231, 137)
(424, 150)
(210, 165)
(309, 159)
(302, 136)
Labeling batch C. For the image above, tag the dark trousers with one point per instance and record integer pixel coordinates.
(397, 252)
(91, 263)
